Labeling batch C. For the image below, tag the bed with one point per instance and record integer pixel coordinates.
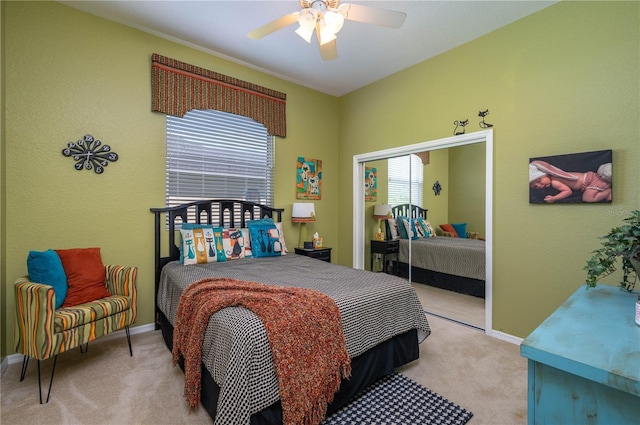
(382, 319)
(456, 264)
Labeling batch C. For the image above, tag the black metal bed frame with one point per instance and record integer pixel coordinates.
(227, 213)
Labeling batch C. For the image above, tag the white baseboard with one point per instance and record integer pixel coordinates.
(506, 337)
(15, 358)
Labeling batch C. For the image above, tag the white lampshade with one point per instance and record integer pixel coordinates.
(303, 212)
(382, 212)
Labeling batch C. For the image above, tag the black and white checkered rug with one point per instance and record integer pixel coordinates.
(397, 400)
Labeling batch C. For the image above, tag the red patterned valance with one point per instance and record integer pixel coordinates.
(177, 87)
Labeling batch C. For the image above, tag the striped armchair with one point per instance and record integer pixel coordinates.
(42, 332)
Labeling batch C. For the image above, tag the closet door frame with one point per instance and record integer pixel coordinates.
(485, 136)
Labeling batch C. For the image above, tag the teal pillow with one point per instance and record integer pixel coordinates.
(461, 229)
(401, 228)
(266, 220)
(46, 267)
(265, 240)
(426, 227)
(406, 225)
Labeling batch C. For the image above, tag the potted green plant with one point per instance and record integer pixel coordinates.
(622, 243)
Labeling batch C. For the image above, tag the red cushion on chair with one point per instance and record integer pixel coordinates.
(85, 275)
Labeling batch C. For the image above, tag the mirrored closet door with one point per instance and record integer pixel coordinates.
(443, 185)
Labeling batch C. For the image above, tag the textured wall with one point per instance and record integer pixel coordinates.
(563, 80)
(69, 73)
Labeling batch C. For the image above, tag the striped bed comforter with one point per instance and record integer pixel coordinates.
(455, 256)
(374, 307)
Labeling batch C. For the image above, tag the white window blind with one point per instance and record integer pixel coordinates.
(404, 171)
(213, 154)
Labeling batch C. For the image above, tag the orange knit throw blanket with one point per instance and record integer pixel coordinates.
(304, 329)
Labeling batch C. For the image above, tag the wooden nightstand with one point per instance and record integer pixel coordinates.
(323, 254)
(386, 248)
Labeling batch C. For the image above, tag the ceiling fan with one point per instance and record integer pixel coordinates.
(326, 17)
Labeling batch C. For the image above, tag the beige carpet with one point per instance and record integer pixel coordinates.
(106, 386)
(463, 308)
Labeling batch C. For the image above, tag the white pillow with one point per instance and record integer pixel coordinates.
(282, 242)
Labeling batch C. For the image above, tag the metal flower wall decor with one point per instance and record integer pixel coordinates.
(90, 154)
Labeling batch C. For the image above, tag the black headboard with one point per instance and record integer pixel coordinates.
(227, 213)
(409, 210)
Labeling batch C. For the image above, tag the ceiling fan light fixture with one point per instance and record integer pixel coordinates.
(327, 17)
(305, 33)
(307, 20)
(334, 20)
(325, 34)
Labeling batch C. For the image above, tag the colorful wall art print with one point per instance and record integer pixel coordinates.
(571, 178)
(309, 178)
(370, 184)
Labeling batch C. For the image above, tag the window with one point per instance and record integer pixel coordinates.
(405, 170)
(213, 154)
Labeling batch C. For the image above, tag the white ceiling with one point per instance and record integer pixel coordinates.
(366, 53)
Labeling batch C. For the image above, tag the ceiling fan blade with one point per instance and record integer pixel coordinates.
(329, 51)
(373, 15)
(273, 26)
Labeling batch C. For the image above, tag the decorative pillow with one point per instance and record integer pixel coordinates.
(265, 240)
(401, 229)
(246, 237)
(461, 229)
(260, 221)
(85, 275)
(233, 243)
(449, 228)
(420, 231)
(220, 255)
(217, 234)
(46, 267)
(282, 241)
(393, 229)
(427, 228)
(198, 245)
(409, 228)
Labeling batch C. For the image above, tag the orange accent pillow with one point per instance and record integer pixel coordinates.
(445, 228)
(85, 275)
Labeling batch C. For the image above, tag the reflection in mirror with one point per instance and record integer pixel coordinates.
(427, 192)
(375, 194)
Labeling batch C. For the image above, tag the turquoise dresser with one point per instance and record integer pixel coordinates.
(584, 361)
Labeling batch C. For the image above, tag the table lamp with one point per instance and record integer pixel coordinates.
(303, 212)
(383, 212)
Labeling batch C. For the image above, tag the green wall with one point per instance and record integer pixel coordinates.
(467, 188)
(3, 202)
(69, 73)
(563, 80)
(438, 205)
(560, 81)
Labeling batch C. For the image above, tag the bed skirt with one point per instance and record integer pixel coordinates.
(460, 284)
(366, 369)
